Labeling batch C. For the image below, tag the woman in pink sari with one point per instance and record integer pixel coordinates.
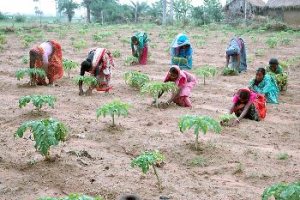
(185, 82)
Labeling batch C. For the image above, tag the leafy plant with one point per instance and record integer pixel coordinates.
(2, 41)
(226, 118)
(46, 133)
(227, 71)
(281, 79)
(114, 108)
(136, 79)
(156, 88)
(131, 60)
(179, 61)
(272, 42)
(25, 59)
(149, 159)
(27, 39)
(69, 65)
(31, 72)
(259, 52)
(206, 71)
(116, 54)
(37, 100)
(73, 197)
(87, 80)
(79, 44)
(282, 156)
(199, 123)
(282, 191)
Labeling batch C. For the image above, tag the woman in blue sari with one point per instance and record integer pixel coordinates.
(266, 85)
(236, 57)
(181, 52)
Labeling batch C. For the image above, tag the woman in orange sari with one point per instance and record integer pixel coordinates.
(47, 56)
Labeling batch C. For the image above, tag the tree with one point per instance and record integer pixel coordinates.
(138, 9)
(87, 5)
(211, 11)
(155, 11)
(181, 8)
(68, 7)
(164, 17)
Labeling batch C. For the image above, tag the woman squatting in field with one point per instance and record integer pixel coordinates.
(185, 82)
(98, 63)
(266, 85)
(236, 57)
(48, 56)
(181, 49)
(275, 70)
(139, 47)
(248, 104)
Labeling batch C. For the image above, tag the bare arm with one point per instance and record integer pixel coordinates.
(173, 96)
(244, 111)
(231, 109)
(227, 60)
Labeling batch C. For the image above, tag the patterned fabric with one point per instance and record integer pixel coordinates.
(267, 87)
(178, 51)
(185, 83)
(55, 68)
(102, 62)
(237, 47)
(280, 77)
(141, 50)
(257, 110)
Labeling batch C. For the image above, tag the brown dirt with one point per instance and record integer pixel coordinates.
(239, 163)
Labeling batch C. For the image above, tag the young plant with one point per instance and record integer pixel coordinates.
(116, 54)
(225, 119)
(46, 133)
(131, 60)
(69, 65)
(79, 44)
(149, 159)
(37, 100)
(73, 197)
(31, 72)
(136, 79)
(206, 71)
(156, 88)
(179, 61)
(114, 108)
(25, 59)
(282, 191)
(272, 42)
(227, 71)
(199, 123)
(86, 80)
(27, 39)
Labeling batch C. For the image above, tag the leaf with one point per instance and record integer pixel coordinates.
(30, 72)
(37, 100)
(46, 133)
(146, 159)
(69, 64)
(87, 80)
(155, 88)
(282, 191)
(136, 79)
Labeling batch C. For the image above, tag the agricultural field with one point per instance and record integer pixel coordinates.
(236, 164)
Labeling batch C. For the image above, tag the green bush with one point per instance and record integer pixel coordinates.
(283, 191)
(20, 18)
(37, 100)
(136, 79)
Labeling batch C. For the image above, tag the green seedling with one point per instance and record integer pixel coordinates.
(73, 197)
(37, 100)
(46, 133)
(25, 60)
(136, 79)
(31, 72)
(69, 65)
(225, 119)
(116, 54)
(131, 60)
(149, 159)
(156, 88)
(86, 80)
(79, 44)
(206, 71)
(282, 191)
(228, 71)
(179, 61)
(115, 108)
(199, 123)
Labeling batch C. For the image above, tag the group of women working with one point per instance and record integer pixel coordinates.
(247, 103)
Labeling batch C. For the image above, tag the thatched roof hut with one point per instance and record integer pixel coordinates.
(236, 8)
(285, 4)
(285, 10)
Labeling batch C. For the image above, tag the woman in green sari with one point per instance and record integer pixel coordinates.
(266, 85)
(139, 47)
(275, 70)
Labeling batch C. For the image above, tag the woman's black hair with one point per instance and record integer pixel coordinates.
(130, 197)
(244, 95)
(262, 70)
(86, 65)
(173, 70)
(273, 61)
(134, 38)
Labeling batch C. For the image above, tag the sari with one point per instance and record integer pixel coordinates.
(237, 47)
(141, 49)
(178, 54)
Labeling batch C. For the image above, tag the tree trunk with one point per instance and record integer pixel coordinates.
(164, 20)
(88, 14)
(245, 10)
(171, 11)
(102, 18)
(136, 12)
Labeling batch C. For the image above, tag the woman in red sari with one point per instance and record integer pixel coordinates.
(99, 64)
(248, 104)
(48, 56)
